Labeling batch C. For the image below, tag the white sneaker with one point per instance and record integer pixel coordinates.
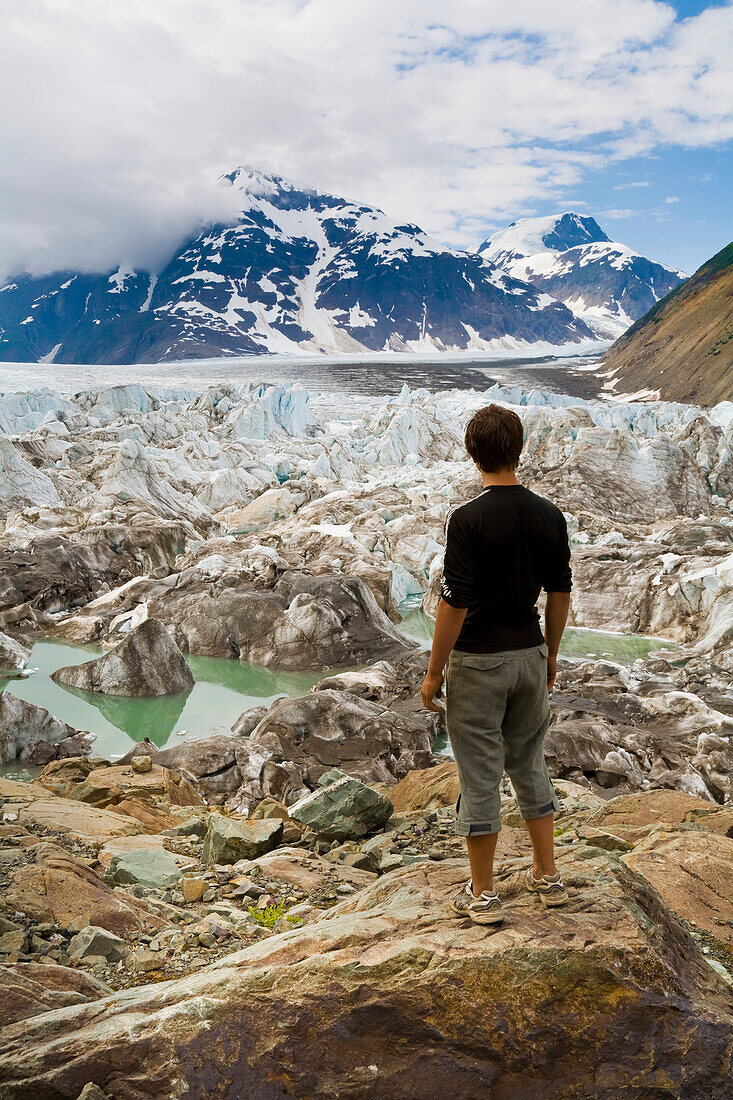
(485, 909)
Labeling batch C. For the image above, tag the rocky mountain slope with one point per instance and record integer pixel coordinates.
(568, 256)
(298, 271)
(682, 349)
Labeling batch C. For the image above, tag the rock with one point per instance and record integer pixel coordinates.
(97, 941)
(693, 872)
(617, 964)
(226, 770)
(151, 867)
(427, 788)
(146, 663)
(629, 815)
(92, 1092)
(22, 997)
(298, 870)
(25, 729)
(12, 943)
(601, 839)
(141, 763)
(35, 807)
(269, 808)
(143, 842)
(62, 890)
(193, 889)
(331, 728)
(230, 839)
(13, 656)
(63, 978)
(342, 808)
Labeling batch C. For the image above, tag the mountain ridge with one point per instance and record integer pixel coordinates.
(682, 349)
(297, 271)
(568, 256)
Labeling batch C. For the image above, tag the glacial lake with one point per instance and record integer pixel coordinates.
(223, 690)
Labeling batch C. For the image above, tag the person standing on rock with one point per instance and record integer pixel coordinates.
(502, 547)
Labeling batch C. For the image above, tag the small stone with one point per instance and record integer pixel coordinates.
(12, 942)
(345, 888)
(144, 959)
(93, 941)
(389, 862)
(92, 1092)
(193, 889)
(229, 839)
(141, 763)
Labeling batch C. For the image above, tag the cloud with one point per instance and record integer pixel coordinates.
(459, 118)
(671, 199)
(635, 183)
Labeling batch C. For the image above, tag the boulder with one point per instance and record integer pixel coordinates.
(230, 839)
(28, 733)
(693, 871)
(342, 808)
(226, 770)
(594, 1002)
(146, 663)
(427, 788)
(151, 867)
(330, 728)
(97, 941)
(62, 890)
(13, 656)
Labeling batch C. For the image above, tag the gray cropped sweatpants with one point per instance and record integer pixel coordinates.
(498, 711)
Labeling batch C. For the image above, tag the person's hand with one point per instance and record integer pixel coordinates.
(431, 686)
(551, 670)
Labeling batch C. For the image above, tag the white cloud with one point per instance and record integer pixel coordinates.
(670, 199)
(456, 117)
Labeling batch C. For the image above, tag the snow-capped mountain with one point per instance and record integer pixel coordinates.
(299, 271)
(604, 283)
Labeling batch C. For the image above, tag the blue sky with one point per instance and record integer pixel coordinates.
(673, 205)
(461, 117)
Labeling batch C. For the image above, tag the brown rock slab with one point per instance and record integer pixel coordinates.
(60, 889)
(629, 814)
(63, 978)
(21, 997)
(693, 871)
(84, 822)
(124, 777)
(152, 819)
(593, 1001)
(426, 789)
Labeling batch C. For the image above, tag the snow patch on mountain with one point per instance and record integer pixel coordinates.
(606, 284)
(297, 272)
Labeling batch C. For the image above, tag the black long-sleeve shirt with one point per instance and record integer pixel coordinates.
(502, 547)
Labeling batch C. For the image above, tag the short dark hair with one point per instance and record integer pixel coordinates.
(494, 439)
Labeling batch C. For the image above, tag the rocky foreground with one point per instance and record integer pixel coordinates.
(264, 912)
(156, 947)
